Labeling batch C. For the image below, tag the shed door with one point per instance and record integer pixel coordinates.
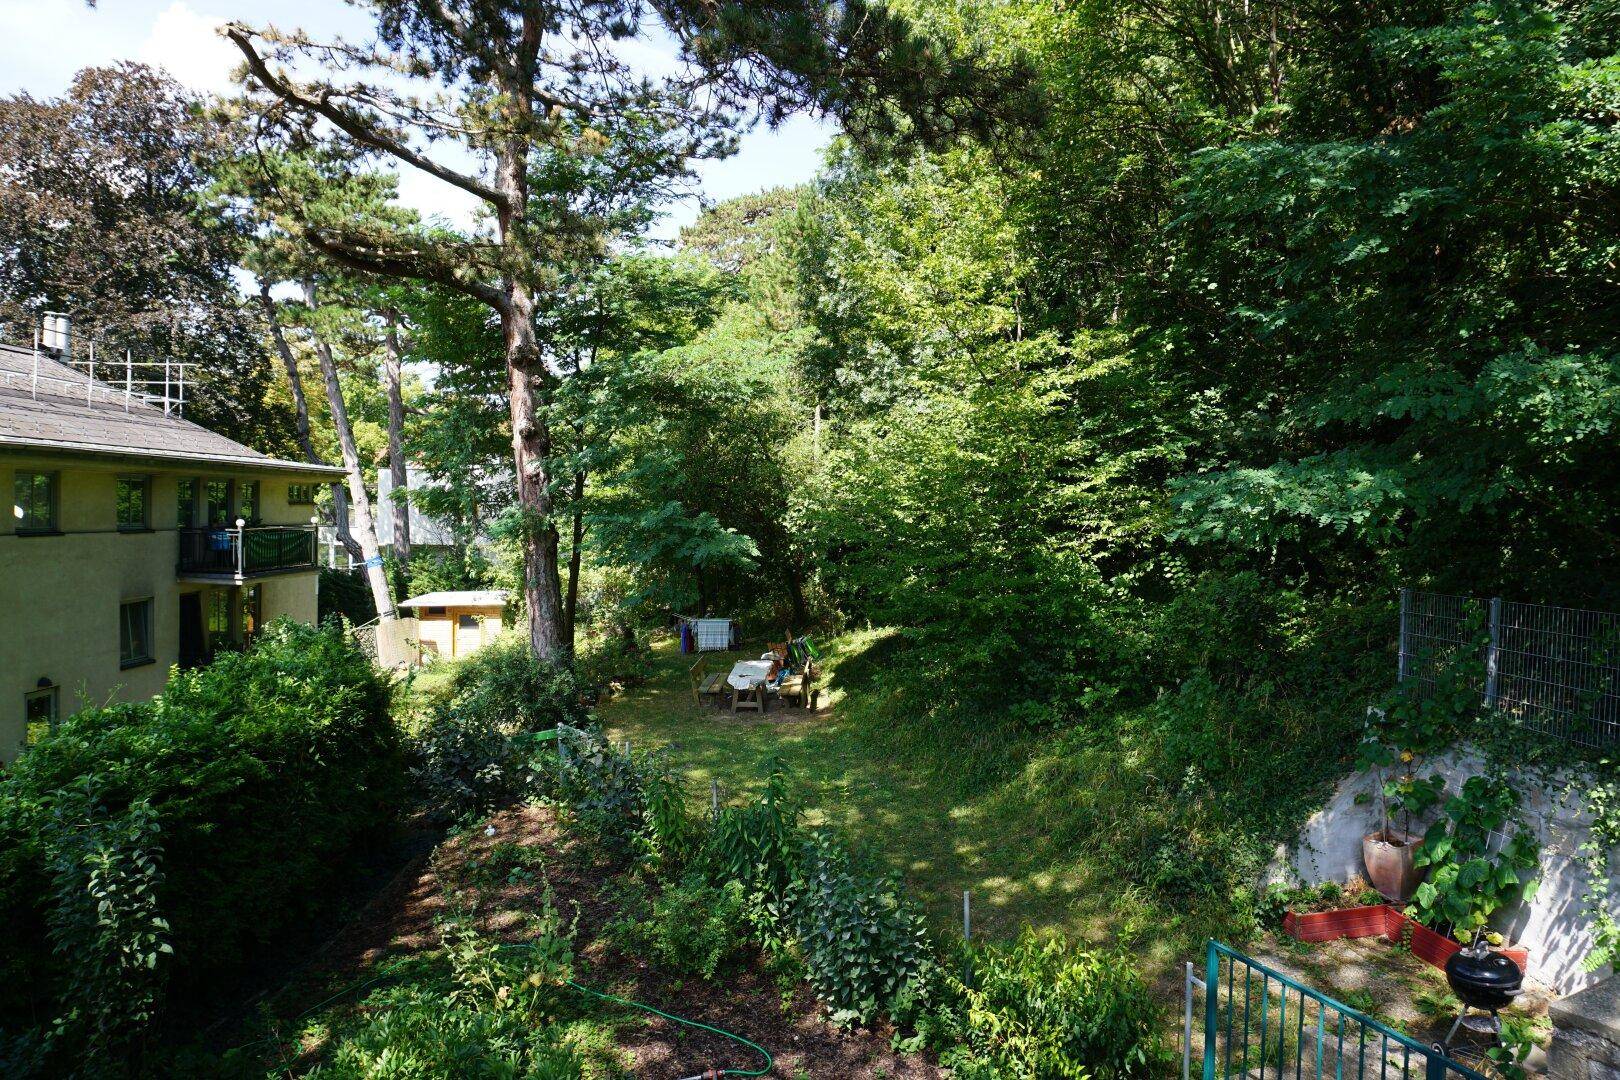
(469, 634)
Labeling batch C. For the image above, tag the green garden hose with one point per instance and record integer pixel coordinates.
(392, 968)
(766, 1054)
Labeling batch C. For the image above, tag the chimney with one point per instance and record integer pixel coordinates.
(56, 336)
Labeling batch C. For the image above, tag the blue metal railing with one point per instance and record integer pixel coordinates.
(1260, 1023)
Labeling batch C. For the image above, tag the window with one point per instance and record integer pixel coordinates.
(39, 712)
(249, 502)
(300, 494)
(219, 617)
(435, 611)
(35, 502)
(133, 497)
(218, 493)
(135, 633)
(186, 502)
(467, 622)
(252, 611)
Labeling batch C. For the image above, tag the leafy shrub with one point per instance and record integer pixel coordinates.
(861, 938)
(413, 1034)
(467, 766)
(261, 770)
(506, 686)
(527, 977)
(757, 845)
(104, 924)
(611, 662)
(476, 751)
(692, 927)
(1468, 881)
(605, 790)
(1049, 1009)
(624, 802)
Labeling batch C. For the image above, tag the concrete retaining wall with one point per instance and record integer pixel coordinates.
(1551, 925)
(1586, 1034)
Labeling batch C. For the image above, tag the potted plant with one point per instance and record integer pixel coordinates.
(1401, 737)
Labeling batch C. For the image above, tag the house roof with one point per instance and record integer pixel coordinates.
(470, 598)
(63, 410)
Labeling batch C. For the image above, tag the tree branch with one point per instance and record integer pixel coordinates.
(356, 127)
(384, 264)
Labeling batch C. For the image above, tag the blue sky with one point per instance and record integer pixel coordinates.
(43, 42)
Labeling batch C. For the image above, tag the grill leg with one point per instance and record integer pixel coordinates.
(1452, 1034)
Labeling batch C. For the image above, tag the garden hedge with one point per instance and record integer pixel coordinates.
(253, 777)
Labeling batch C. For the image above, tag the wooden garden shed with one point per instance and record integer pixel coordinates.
(456, 623)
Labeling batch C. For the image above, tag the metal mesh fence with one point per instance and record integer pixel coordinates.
(1554, 669)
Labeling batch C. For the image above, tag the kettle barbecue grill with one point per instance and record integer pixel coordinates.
(1485, 980)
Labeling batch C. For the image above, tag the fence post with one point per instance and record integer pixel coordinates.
(1212, 1008)
(1186, 1024)
(1400, 653)
(1491, 654)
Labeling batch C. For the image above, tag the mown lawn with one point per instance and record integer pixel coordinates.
(950, 811)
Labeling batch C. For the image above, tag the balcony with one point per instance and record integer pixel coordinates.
(237, 555)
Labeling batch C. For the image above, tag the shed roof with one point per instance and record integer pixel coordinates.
(468, 598)
(66, 411)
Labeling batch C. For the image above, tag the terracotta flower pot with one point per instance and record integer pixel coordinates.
(1388, 856)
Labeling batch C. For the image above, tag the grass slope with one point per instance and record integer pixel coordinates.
(963, 806)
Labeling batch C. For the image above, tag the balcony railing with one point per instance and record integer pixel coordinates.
(245, 552)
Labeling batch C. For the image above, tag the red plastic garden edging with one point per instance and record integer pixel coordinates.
(1381, 920)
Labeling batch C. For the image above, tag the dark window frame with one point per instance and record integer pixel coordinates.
(127, 656)
(145, 486)
(300, 494)
(185, 505)
(252, 611)
(248, 507)
(51, 527)
(227, 516)
(214, 606)
(51, 694)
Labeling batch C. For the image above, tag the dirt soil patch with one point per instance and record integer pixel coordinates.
(743, 998)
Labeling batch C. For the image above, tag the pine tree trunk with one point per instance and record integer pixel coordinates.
(571, 598)
(365, 528)
(531, 437)
(396, 447)
(531, 449)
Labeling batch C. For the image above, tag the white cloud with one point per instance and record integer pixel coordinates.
(186, 43)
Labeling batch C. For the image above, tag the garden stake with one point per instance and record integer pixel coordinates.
(967, 941)
(714, 798)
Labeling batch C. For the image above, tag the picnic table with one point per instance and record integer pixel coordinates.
(748, 681)
(747, 674)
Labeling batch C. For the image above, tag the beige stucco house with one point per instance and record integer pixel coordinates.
(133, 541)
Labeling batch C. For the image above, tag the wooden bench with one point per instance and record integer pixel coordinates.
(707, 685)
(801, 687)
